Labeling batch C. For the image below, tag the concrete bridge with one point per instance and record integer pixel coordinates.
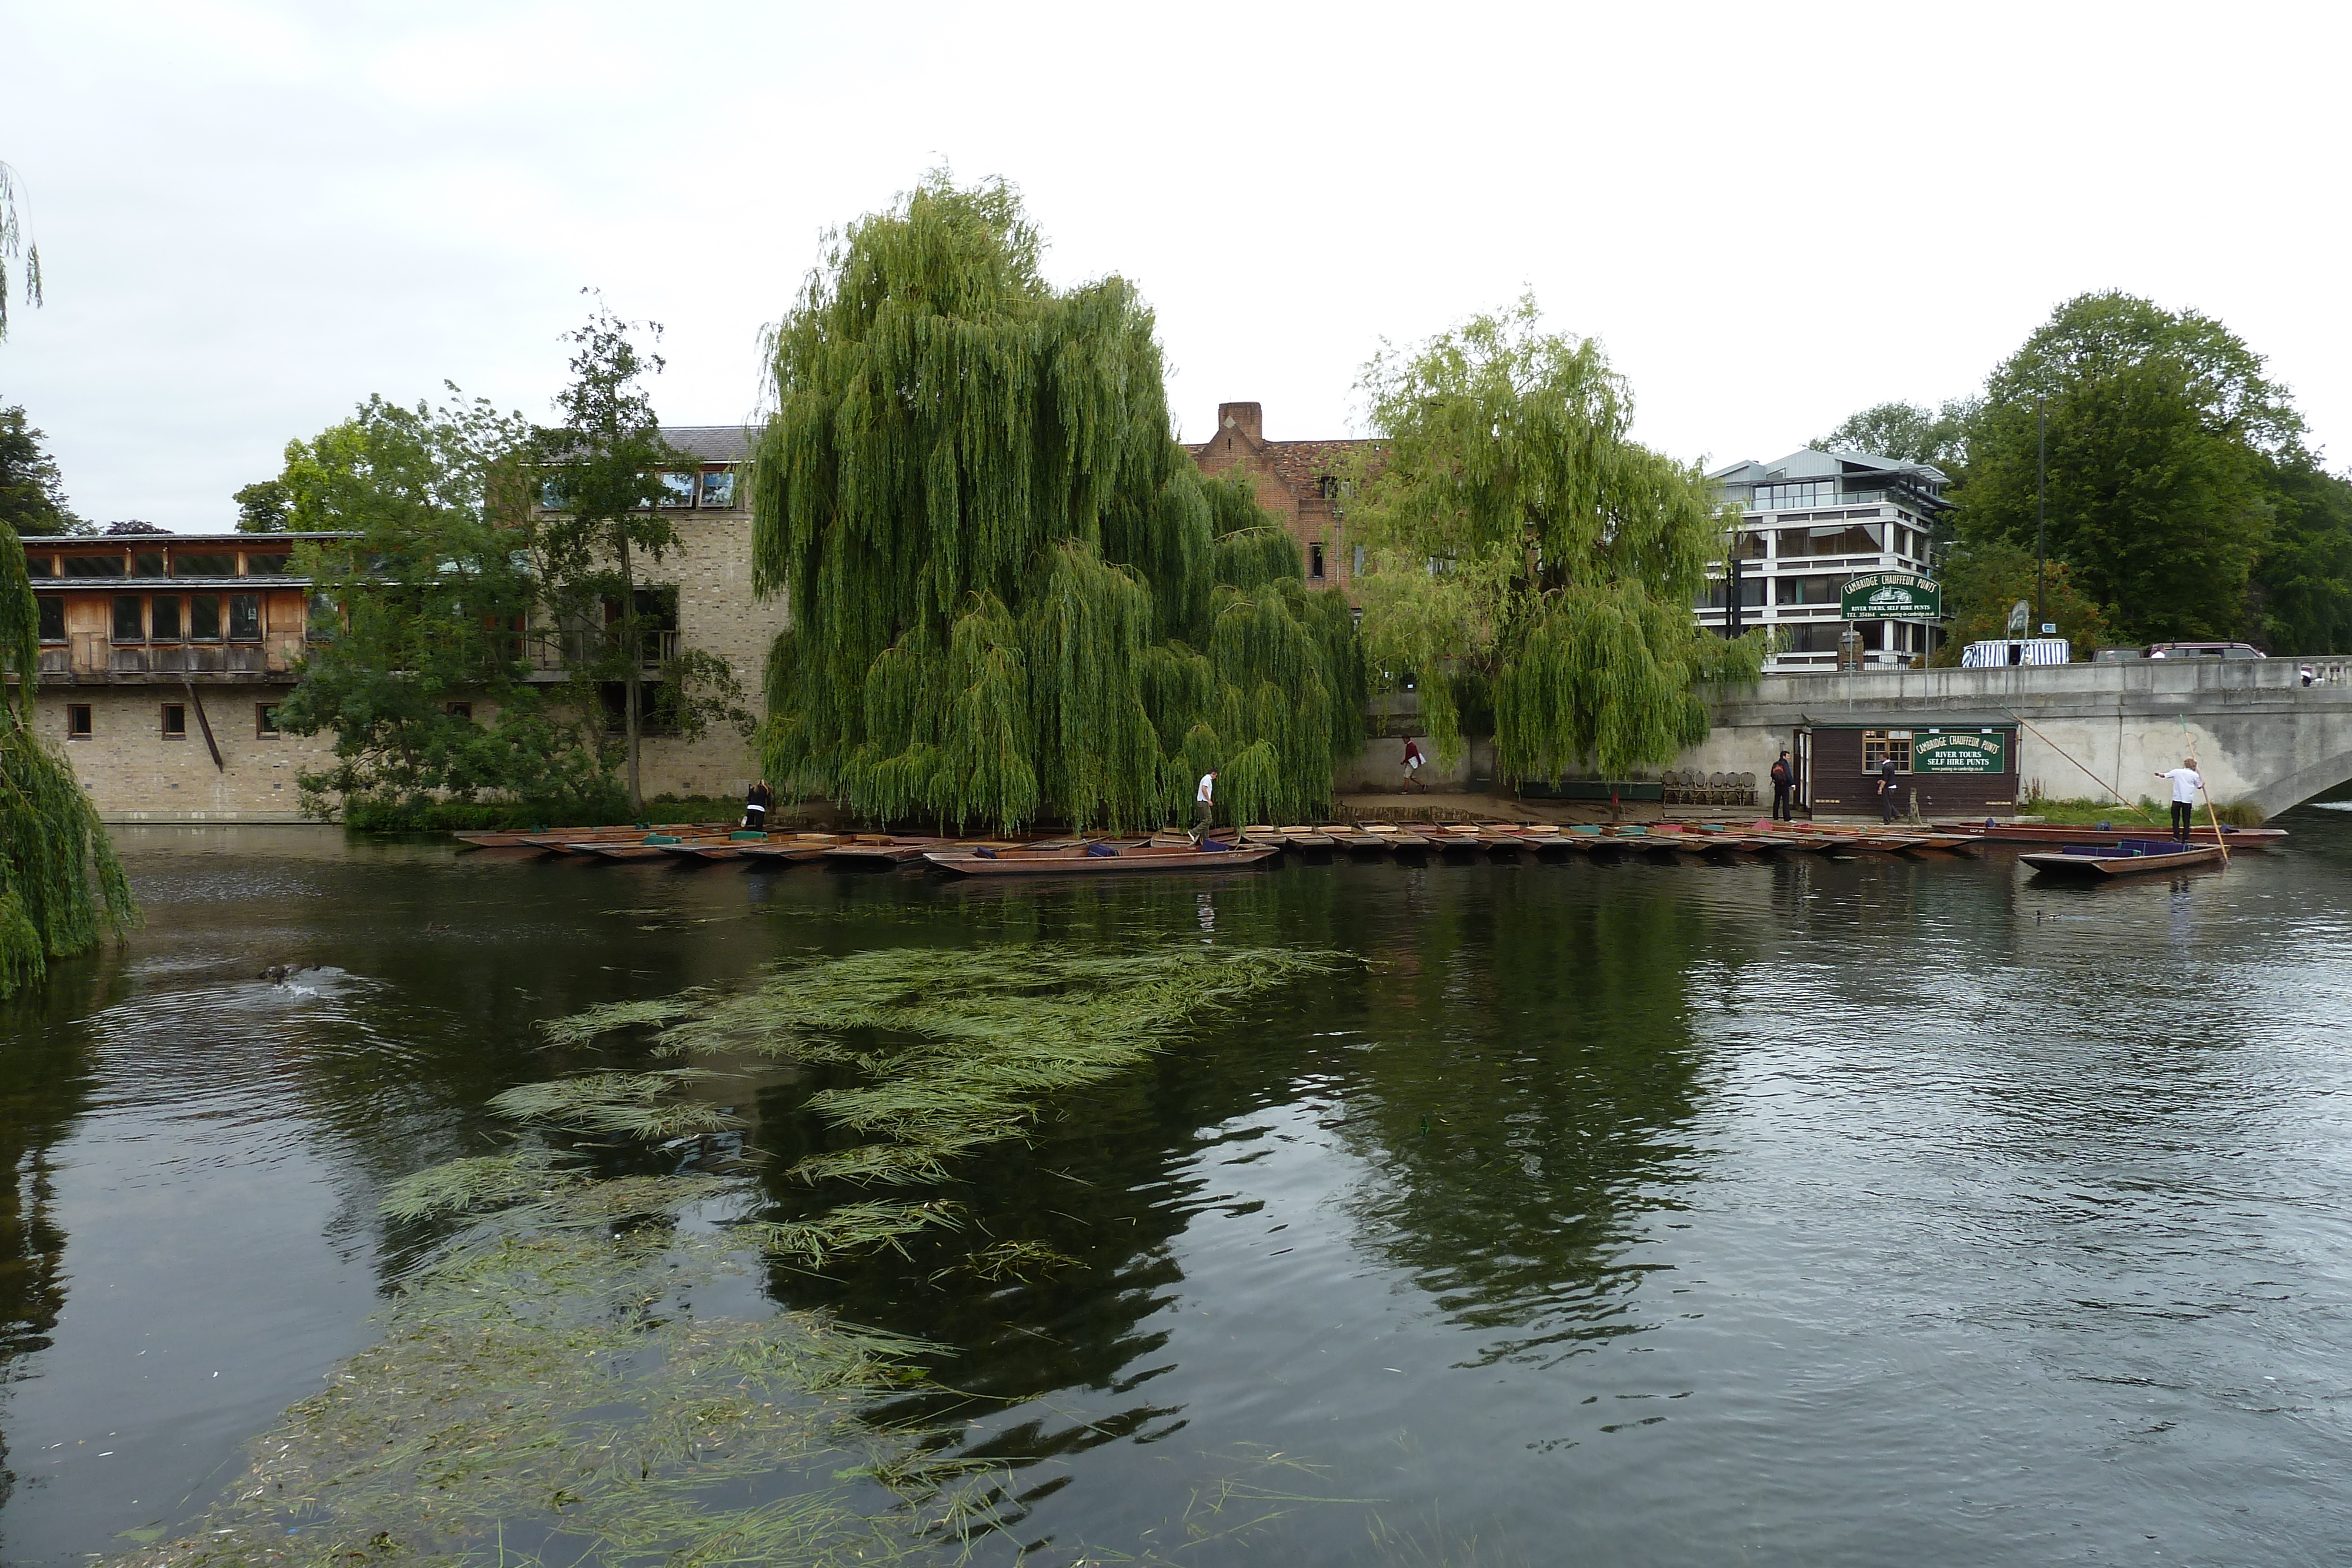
(2260, 736)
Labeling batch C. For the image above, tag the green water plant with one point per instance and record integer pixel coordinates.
(1012, 595)
(61, 889)
(953, 1051)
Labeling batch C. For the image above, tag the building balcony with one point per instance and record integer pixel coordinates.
(553, 654)
(89, 657)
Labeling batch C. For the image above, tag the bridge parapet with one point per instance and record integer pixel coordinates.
(2260, 735)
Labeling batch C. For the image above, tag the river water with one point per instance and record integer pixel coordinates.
(1802, 1213)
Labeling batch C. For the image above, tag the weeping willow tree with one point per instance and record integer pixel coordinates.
(1518, 534)
(1012, 596)
(61, 890)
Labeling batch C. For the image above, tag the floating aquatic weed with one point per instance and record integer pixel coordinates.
(850, 1228)
(1019, 1262)
(476, 1185)
(958, 1049)
(544, 1390)
(633, 1104)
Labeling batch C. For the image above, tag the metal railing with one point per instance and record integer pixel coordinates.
(564, 650)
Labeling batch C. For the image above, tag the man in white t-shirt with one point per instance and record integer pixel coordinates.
(2186, 782)
(1205, 801)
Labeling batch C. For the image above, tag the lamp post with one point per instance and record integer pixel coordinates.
(2041, 503)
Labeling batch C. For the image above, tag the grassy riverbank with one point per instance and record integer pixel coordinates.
(2145, 812)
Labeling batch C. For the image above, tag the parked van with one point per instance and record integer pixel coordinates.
(2205, 651)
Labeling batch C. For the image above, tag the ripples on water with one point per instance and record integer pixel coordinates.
(1807, 1213)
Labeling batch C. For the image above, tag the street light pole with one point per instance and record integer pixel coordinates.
(2041, 504)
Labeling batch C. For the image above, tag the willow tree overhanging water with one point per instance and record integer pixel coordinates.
(1012, 594)
(61, 889)
(1519, 531)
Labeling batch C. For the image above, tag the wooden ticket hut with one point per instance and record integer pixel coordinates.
(1955, 769)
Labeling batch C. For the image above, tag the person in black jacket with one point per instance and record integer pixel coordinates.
(1784, 779)
(755, 806)
(1889, 792)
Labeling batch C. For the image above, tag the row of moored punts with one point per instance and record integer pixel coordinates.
(1231, 848)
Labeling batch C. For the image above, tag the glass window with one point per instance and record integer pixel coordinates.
(176, 721)
(550, 495)
(107, 565)
(130, 621)
(1359, 560)
(1314, 561)
(677, 489)
(204, 617)
(77, 721)
(718, 486)
(265, 565)
(164, 617)
(1878, 745)
(265, 719)
(190, 564)
(147, 563)
(245, 618)
(53, 617)
(1824, 590)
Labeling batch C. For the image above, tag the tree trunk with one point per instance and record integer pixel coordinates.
(631, 672)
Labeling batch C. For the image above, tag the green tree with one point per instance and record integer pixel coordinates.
(61, 889)
(32, 492)
(1012, 594)
(1985, 581)
(2164, 440)
(261, 508)
(608, 470)
(1908, 431)
(2302, 582)
(416, 660)
(1519, 533)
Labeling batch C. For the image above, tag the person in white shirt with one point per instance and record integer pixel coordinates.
(2186, 782)
(1205, 800)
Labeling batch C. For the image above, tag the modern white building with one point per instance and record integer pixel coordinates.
(1810, 522)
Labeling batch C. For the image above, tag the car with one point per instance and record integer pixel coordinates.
(2116, 655)
(2205, 651)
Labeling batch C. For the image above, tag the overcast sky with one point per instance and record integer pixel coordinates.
(254, 214)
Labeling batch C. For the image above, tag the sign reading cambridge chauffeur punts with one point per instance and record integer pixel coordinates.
(1892, 596)
(1959, 751)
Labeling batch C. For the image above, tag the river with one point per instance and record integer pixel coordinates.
(1807, 1213)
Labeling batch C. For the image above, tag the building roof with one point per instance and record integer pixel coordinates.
(154, 541)
(1810, 463)
(713, 443)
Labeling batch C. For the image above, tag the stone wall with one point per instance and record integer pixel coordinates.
(135, 773)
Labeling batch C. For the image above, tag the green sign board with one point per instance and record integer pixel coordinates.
(1959, 751)
(1892, 596)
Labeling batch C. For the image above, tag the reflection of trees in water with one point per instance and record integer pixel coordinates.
(44, 1083)
(1534, 1065)
(1110, 1181)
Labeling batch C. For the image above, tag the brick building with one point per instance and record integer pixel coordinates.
(164, 657)
(1298, 482)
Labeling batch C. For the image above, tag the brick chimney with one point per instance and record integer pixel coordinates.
(1247, 418)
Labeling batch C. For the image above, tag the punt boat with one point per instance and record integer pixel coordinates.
(1096, 860)
(2057, 833)
(2133, 857)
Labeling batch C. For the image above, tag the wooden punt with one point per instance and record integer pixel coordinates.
(895, 852)
(640, 850)
(1076, 862)
(783, 854)
(2134, 857)
(2055, 833)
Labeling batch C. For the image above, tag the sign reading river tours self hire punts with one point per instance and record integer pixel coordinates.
(1892, 596)
(1959, 751)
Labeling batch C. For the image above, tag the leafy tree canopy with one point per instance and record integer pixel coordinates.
(1984, 582)
(32, 492)
(419, 668)
(61, 889)
(1517, 531)
(13, 246)
(261, 508)
(1909, 432)
(604, 467)
(2165, 444)
(1012, 596)
(135, 526)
